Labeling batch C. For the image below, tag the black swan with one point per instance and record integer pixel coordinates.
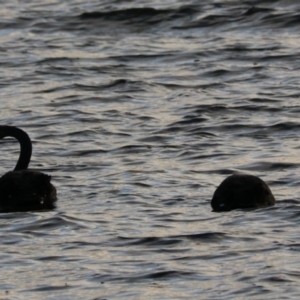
(24, 189)
(242, 191)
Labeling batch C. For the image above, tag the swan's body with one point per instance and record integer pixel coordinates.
(23, 189)
(242, 191)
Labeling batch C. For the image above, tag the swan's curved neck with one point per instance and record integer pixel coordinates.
(25, 144)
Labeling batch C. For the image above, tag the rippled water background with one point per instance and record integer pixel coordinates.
(139, 109)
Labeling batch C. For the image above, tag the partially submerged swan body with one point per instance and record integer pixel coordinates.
(242, 191)
(24, 189)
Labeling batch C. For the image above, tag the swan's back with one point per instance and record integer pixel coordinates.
(242, 191)
(26, 190)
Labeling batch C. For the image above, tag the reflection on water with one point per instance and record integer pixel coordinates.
(139, 112)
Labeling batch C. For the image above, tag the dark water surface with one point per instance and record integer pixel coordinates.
(139, 109)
